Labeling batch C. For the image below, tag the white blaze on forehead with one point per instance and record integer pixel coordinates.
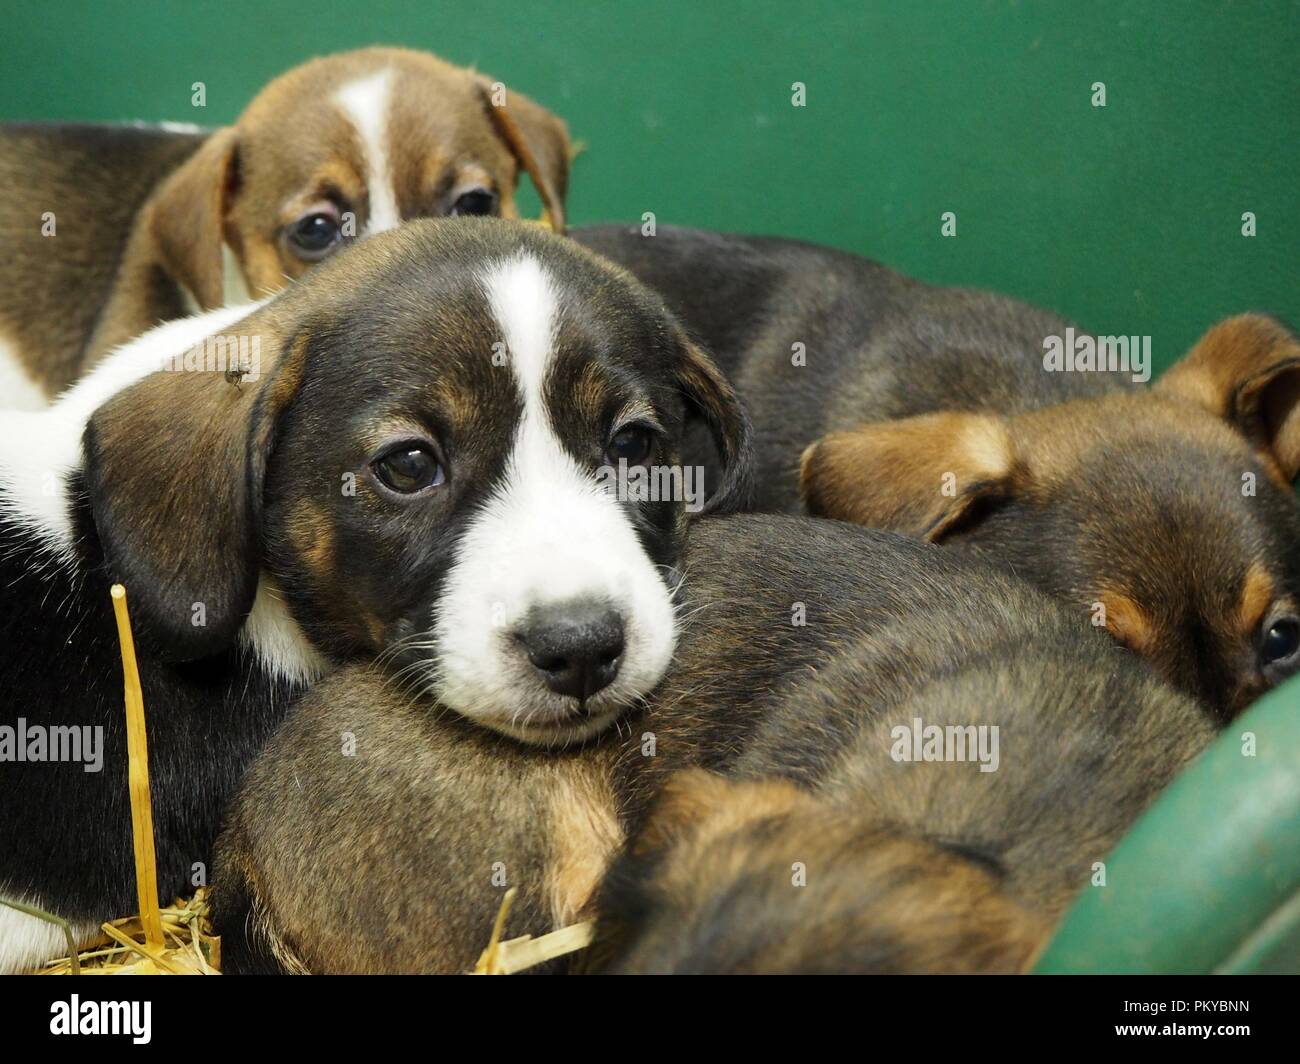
(171, 127)
(365, 102)
(523, 303)
(550, 534)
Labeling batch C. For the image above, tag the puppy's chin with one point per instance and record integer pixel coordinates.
(565, 730)
(537, 716)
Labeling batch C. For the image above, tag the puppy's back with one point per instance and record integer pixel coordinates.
(93, 180)
(818, 340)
(831, 835)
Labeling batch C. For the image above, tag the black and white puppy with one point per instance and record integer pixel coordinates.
(405, 457)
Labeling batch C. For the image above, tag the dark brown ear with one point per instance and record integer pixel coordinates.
(188, 213)
(539, 141)
(174, 468)
(1246, 370)
(714, 399)
(920, 475)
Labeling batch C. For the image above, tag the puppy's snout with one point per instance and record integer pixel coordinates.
(576, 646)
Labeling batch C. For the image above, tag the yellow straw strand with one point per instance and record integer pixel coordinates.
(146, 872)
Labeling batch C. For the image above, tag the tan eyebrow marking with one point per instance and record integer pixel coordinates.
(378, 433)
(1128, 622)
(638, 410)
(334, 175)
(591, 392)
(1257, 592)
(592, 395)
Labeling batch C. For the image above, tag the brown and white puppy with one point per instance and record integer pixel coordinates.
(111, 230)
(411, 470)
(805, 645)
(1165, 514)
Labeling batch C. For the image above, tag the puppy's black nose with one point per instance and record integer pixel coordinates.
(576, 646)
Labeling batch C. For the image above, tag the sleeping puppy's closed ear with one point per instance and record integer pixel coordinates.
(538, 140)
(922, 475)
(174, 468)
(188, 214)
(712, 397)
(1246, 370)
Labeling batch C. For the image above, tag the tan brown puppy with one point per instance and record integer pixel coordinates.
(377, 834)
(110, 230)
(1163, 514)
(1166, 516)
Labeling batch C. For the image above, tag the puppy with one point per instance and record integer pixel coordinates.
(1164, 514)
(808, 643)
(110, 230)
(411, 469)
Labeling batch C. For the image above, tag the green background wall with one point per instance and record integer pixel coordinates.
(1127, 218)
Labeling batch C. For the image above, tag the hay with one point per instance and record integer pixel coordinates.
(137, 746)
(178, 940)
(189, 947)
(174, 941)
(518, 954)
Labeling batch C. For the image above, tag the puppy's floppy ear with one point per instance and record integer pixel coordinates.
(1246, 370)
(187, 216)
(174, 468)
(921, 475)
(538, 140)
(713, 397)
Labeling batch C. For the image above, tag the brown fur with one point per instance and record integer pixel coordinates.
(1246, 370)
(180, 534)
(1126, 621)
(413, 883)
(871, 475)
(146, 493)
(1233, 398)
(592, 394)
(187, 195)
(584, 834)
(53, 289)
(1258, 593)
(931, 911)
(262, 542)
(910, 867)
(1112, 488)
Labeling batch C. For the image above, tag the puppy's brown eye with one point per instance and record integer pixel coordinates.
(1281, 641)
(476, 201)
(632, 445)
(313, 236)
(409, 469)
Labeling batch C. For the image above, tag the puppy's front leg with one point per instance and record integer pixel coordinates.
(376, 835)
